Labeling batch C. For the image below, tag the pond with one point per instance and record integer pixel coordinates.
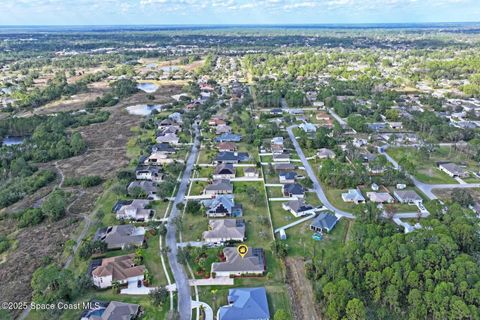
(147, 87)
(144, 109)
(12, 141)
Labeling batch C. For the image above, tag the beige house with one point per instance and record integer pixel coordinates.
(120, 269)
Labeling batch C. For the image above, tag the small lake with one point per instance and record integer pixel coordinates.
(144, 109)
(147, 87)
(169, 68)
(12, 141)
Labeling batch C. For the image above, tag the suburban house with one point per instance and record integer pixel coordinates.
(245, 304)
(228, 137)
(226, 146)
(222, 230)
(168, 138)
(222, 206)
(216, 121)
(293, 190)
(250, 172)
(170, 129)
(324, 222)
(147, 187)
(325, 153)
(453, 170)
(121, 269)
(276, 111)
(165, 123)
(150, 173)
(157, 159)
(281, 157)
(121, 236)
(176, 117)
(298, 208)
(282, 167)
(134, 210)
(221, 186)
(353, 195)
(287, 177)
(308, 127)
(231, 157)
(164, 148)
(253, 263)
(407, 196)
(276, 144)
(113, 310)
(359, 142)
(224, 171)
(223, 129)
(380, 197)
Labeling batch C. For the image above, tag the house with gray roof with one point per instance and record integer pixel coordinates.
(135, 210)
(407, 196)
(245, 304)
(293, 190)
(325, 153)
(380, 197)
(353, 195)
(223, 230)
(298, 208)
(228, 137)
(224, 171)
(115, 311)
(222, 206)
(231, 157)
(163, 147)
(287, 177)
(253, 263)
(222, 186)
(150, 173)
(279, 167)
(452, 169)
(324, 222)
(149, 188)
(121, 236)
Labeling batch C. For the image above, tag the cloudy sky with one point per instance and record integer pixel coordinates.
(98, 12)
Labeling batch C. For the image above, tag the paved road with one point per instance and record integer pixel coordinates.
(316, 184)
(426, 188)
(181, 278)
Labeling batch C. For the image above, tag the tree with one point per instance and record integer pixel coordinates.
(355, 310)
(462, 197)
(193, 207)
(51, 284)
(54, 206)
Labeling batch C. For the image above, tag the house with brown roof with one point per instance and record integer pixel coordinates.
(120, 269)
(226, 146)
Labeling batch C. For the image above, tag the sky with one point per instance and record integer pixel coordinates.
(195, 12)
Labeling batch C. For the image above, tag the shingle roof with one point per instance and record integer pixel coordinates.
(246, 304)
(253, 261)
(324, 221)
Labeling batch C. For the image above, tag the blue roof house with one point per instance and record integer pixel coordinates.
(245, 304)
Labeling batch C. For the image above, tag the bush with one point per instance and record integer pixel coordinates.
(30, 217)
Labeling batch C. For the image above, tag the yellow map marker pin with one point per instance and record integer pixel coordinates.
(242, 250)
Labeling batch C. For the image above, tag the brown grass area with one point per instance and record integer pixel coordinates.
(300, 291)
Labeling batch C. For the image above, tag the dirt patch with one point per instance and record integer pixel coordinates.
(300, 290)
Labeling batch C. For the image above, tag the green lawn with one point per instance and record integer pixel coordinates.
(335, 198)
(193, 225)
(153, 262)
(426, 168)
(274, 192)
(198, 187)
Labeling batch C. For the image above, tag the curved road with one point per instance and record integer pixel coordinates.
(311, 174)
(181, 278)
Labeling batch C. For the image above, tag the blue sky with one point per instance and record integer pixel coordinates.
(97, 12)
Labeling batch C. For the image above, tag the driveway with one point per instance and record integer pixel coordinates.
(208, 310)
(181, 278)
(311, 174)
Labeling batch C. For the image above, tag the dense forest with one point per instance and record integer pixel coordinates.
(432, 273)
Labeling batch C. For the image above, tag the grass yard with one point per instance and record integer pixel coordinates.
(280, 217)
(198, 187)
(193, 225)
(153, 262)
(274, 192)
(427, 171)
(335, 198)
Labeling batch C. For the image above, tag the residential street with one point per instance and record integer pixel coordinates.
(311, 174)
(179, 273)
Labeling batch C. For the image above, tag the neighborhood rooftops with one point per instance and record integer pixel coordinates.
(324, 222)
(118, 311)
(118, 268)
(407, 196)
(119, 237)
(251, 263)
(225, 230)
(228, 137)
(245, 304)
(353, 195)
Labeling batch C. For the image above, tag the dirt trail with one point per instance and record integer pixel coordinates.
(300, 290)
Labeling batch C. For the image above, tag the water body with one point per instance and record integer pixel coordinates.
(144, 109)
(147, 87)
(12, 141)
(169, 68)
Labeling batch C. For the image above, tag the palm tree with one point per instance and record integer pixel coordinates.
(116, 287)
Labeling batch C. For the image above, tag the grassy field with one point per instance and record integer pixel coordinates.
(198, 187)
(274, 192)
(426, 167)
